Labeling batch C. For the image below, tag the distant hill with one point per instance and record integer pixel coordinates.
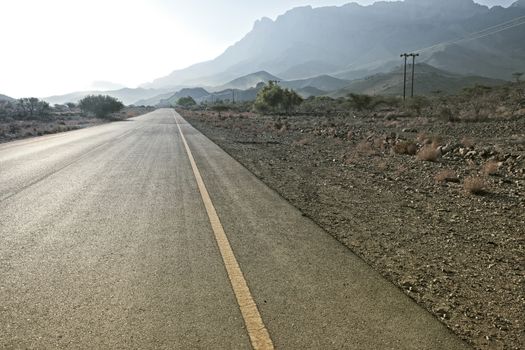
(155, 100)
(323, 83)
(248, 81)
(353, 41)
(310, 91)
(428, 80)
(196, 93)
(127, 96)
(246, 87)
(6, 98)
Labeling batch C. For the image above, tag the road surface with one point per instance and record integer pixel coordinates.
(143, 234)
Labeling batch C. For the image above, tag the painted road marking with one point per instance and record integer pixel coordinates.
(259, 336)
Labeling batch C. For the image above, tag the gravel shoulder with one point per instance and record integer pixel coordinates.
(449, 232)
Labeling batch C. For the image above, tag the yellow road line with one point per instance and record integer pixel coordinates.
(259, 336)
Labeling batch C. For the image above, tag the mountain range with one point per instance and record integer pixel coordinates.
(323, 50)
(354, 41)
(428, 80)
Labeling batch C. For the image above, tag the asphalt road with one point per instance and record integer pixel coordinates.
(106, 243)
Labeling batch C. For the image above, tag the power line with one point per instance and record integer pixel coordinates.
(480, 34)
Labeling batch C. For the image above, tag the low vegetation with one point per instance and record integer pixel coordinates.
(187, 101)
(100, 106)
(475, 185)
(274, 99)
(29, 117)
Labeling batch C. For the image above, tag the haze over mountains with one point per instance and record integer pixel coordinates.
(307, 46)
(352, 41)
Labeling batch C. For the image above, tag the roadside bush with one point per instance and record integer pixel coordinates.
(274, 98)
(99, 105)
(360, 102)
(186, 101)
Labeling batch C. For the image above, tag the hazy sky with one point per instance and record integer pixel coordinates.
(59, 46)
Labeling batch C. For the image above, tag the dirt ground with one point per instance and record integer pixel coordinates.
(447, 225)
(11, 129)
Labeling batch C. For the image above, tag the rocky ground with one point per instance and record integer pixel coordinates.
(11, 129)
(436, 206)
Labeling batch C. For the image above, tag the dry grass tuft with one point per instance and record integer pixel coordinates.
(436, 141)
(428, 154)
(446, 175)
(490, 168)
(406, 147)
(422, 137)
(365, 148)
(467, 142)
(475, 185)
(382, 166)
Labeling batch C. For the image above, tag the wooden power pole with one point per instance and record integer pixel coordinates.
(414, 55)
(405, 55)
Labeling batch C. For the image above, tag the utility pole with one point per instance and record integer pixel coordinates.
(414, 55)
(233, 96)
(405, 55)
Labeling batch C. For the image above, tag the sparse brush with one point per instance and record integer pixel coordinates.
(364, 147)
(428, 154)
(405, 147)
(436, 141)
(490, 168)
(379, 143)
(475, 185)
(422, 137)
(382, 166)
(446, 175)
(467, 142)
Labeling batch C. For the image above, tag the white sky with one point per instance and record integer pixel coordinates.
(59, 46)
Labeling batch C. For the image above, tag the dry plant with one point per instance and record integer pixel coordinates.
(365, 148)
(446, 175)
(382, 166)
(401, 170)
(467, 142)
(475, 185)
(428, 154)
(379, 143)
(406, 147)
(490, 168)
(422, 137)
(436, 141)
